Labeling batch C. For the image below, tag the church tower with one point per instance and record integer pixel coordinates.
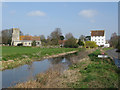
(15, 35)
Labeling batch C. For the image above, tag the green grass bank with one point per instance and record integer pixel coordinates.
(15, 56)
(97, 73)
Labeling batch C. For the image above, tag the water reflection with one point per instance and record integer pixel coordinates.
(29, 71)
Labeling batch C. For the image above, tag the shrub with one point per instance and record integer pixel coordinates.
(71, 43)
(81, 43)
(90, 44)
(34, 43)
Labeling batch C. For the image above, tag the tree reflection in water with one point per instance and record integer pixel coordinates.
(31, 69)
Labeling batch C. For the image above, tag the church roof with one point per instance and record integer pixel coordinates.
(27, 37)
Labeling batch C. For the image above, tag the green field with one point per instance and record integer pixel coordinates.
(18, 52)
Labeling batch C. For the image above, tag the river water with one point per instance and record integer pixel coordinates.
(11, 77)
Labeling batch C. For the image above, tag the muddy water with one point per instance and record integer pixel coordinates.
(11, 77)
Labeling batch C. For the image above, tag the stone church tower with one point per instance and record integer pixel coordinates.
(15, 35)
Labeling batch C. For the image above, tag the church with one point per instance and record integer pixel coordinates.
(26, 40)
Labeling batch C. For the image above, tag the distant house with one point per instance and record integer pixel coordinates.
(99, 37)
(27, 40)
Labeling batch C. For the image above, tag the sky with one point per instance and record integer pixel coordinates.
(79, 18)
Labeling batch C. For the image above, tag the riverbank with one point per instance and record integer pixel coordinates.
(86, 72)
(23, 55)
(44, 79)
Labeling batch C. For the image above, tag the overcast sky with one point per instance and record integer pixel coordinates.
(79, 18)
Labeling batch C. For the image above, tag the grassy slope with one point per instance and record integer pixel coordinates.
(98, 73)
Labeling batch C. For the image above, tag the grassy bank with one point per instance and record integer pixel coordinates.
(105, 49)
(15, 56)
(9, 53)
(98, 73)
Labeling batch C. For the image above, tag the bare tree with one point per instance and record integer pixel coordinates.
(68, 36)
(114, 40)
(82, 38)
(56, 33)
(55, 36)
(42, 37)
(7, 36)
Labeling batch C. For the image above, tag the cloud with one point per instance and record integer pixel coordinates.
(36, 13)
(88, 13)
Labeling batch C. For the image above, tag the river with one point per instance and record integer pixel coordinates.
(115, 55)
(11, 77)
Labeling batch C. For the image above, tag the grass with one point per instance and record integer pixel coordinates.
(24, 55)
(107, 48)
(21, 52)
(99, 73)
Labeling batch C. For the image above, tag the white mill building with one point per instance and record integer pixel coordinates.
(99, 37)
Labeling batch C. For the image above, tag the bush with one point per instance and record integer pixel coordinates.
(81, 43)
(34, 43)
(90, 44)
(71, 43)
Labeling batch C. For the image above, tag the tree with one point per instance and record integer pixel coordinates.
(82, 38)
(7, 36)
(42, 37)
(62, 37)
(55, 36)
(34, 43)
(87, 38)
(68, 36)
(114, 40)
(71, 43)
(90, 44)
(81, 43)
(118, 45)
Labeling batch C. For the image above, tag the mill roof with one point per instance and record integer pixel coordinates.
(97, 33)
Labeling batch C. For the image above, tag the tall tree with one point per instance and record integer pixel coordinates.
(55, 36)
(114, 40)
(42, 37)
(68, 36)
(56, 33)
(7, 36)
(82, 38)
